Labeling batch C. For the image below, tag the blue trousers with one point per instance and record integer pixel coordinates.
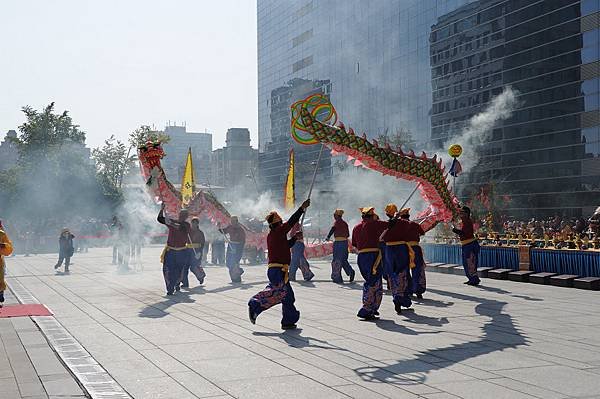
(195, 266)
(397, 264)
(276, 292)
(470, 258)
(372, 288)
(418, 283)
(173, 264)
(235, 250)
(300, 262)
(340, 261)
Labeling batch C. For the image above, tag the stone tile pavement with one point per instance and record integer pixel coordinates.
(500, 340)
(29, 368)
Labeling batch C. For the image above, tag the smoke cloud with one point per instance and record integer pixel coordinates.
(480, 126)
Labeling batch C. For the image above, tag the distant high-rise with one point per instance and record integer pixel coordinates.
(234, 166)
(408, 65)
(546, 156)
(176, 151)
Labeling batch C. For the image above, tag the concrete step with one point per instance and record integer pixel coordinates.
(520, 275)
(447, 268)
(587, 283)
(563, 280)
(541, 278)
(499, 274)
(483, 271)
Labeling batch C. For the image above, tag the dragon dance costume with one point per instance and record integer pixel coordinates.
(195, 254)
(235, 249)
(399, 257)
(469, 246)
(279, 289)
(340, 233)
(176, 253)
(299, 260)
(365, 238)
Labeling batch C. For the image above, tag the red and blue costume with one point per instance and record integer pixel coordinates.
(365, 238)
(470, 248)
(279, 289)
(340, 233)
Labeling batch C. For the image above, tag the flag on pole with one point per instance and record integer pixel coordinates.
(456, 168)
(289, 191)
(188, 185)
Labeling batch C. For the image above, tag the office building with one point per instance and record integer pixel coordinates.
(235, 165)
(176, 152)
(426, 67)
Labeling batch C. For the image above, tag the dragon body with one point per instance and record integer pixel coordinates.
(427, 172)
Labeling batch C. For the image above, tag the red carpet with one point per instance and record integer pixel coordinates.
(24, 310)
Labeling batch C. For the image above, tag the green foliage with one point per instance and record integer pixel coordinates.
(113, 161)
(54, 177)
(144, 134)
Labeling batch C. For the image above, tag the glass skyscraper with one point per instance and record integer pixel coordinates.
(426, 67)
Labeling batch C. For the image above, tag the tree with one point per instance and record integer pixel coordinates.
(54, 177)
(144, 134)
(113, 161)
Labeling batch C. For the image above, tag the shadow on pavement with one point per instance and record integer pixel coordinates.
(159, 309)
(501, 291)
(499, 333)
(390, 325)
(294, 339)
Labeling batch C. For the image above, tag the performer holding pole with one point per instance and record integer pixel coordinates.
(365, 238)
(469, 246)
(399, 258)
(176, 254)
(279, 289)
(340, 233)
(417, 273)
(196, 241)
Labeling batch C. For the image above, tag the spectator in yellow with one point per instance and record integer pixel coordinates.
(6, 249)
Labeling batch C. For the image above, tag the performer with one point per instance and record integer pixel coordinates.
(235, 249)
(195, 252)
(279, 289)
(65, 249)
(417, 273)
(340, 232)
(175, 255)
(299, 260)
(365, 238)
(6, 249)
(470, 246)
(399, 256)
(390, 211)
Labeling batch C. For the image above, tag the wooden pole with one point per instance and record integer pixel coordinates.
(312, 183)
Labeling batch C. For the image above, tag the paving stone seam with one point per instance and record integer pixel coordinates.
(118, 322)
(275, 340)
(62, 343)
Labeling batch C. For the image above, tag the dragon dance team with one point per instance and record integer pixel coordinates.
(385, 249)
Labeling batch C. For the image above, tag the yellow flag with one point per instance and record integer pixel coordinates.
(188, 181)
(289, 194)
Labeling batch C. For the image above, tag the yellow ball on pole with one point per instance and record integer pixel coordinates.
(455, 150)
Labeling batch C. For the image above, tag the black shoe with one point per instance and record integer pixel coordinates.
(398, 307)
(467, 282)
(251, 315)
(1, 298)
(288, 326)
(351, 276)
(419, 296)
(201, 281)
(185, 286)
(56, 266)
(170, 293)
(376, 313)
(177, 288)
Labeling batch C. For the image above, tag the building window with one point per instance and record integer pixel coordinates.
(303, 63)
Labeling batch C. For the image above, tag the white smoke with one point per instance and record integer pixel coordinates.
(480, 126)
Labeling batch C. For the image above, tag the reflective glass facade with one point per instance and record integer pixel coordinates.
(428, 66)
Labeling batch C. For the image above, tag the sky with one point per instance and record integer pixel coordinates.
(118, 64)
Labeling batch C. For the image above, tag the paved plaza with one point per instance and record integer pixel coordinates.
(500, 340)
